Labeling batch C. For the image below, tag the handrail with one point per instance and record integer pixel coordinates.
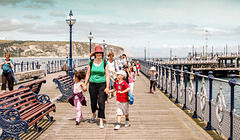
(190, 90)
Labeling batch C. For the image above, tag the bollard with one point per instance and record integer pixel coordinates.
(37, 65)
(14, 67)
(52, 66)
(231, 82)
(196, 91)
(32, 65)
(27, 65)
(162, 76)
(58, 64)
(185, 90)
(48, 67)
(159, 72)
(22, 66)
(209, 124)
(176, 101)
(166, 78)
(55, 66)
(171, 69)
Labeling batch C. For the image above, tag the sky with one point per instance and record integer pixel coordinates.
(159, 25)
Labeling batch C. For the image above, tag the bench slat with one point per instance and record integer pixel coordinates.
(30, 111)
(6, 94)
(39, 110)
(18, 101)
(40, 117)
(16, 97)
(34, 82)
(26, 104)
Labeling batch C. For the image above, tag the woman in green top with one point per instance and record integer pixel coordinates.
(98, 77)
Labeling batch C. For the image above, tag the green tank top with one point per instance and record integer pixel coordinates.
(97, 73)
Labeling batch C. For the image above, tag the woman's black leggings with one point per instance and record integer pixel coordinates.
(98, 96)
(152, 84)
(7, 78)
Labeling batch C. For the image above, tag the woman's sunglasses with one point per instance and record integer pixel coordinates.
(98, 52)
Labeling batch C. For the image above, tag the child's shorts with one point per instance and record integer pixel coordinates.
(122, 108)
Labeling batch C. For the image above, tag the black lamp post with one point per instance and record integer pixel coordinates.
(104, 47)
(90, 37)
(70, 21)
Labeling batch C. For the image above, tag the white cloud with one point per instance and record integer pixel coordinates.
(13, 25)
(49, 2)
(2, 38)
(32, 17)
(10, 2)
(131, 24)
(57, 13)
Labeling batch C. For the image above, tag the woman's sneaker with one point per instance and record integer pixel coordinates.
(101, 125)
(127, 124)
(92, 120)
(117, 127)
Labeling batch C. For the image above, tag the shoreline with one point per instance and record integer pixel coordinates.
(42, 57)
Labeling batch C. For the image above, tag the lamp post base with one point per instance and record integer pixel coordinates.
(70, 73)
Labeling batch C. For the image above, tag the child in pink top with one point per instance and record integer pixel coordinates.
(131, 79)
(77, 99)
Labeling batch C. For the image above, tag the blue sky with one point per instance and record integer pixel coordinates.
(165, 24)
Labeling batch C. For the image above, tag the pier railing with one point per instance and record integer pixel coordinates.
(206, 97)
(26, 66)
(55, 65)
(52, 66)
(183, 61)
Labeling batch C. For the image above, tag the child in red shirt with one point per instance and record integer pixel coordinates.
(122, 88)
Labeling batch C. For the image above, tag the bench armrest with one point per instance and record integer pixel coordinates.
(11, 122)
(42, 98)
(9, 114)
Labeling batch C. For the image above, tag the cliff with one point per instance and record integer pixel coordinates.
(51, 48)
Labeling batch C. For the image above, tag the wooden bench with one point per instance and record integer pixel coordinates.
(22, 108)
(65, 85)
(35, 85)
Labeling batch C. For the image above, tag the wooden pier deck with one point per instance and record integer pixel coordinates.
(151, 117)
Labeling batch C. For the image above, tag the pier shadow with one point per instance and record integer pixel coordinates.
(33, 134)
(199, 122)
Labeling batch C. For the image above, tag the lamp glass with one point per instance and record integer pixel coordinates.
(70, 20)
(90, 37)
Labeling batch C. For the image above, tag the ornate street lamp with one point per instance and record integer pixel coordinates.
(70, 21)
(90, 37)
(104, 47)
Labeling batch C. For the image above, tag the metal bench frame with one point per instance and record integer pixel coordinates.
(65, 85)
(22, 108)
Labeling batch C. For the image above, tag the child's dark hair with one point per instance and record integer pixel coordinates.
(80, 74)
(125, 66)
(131, 68)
